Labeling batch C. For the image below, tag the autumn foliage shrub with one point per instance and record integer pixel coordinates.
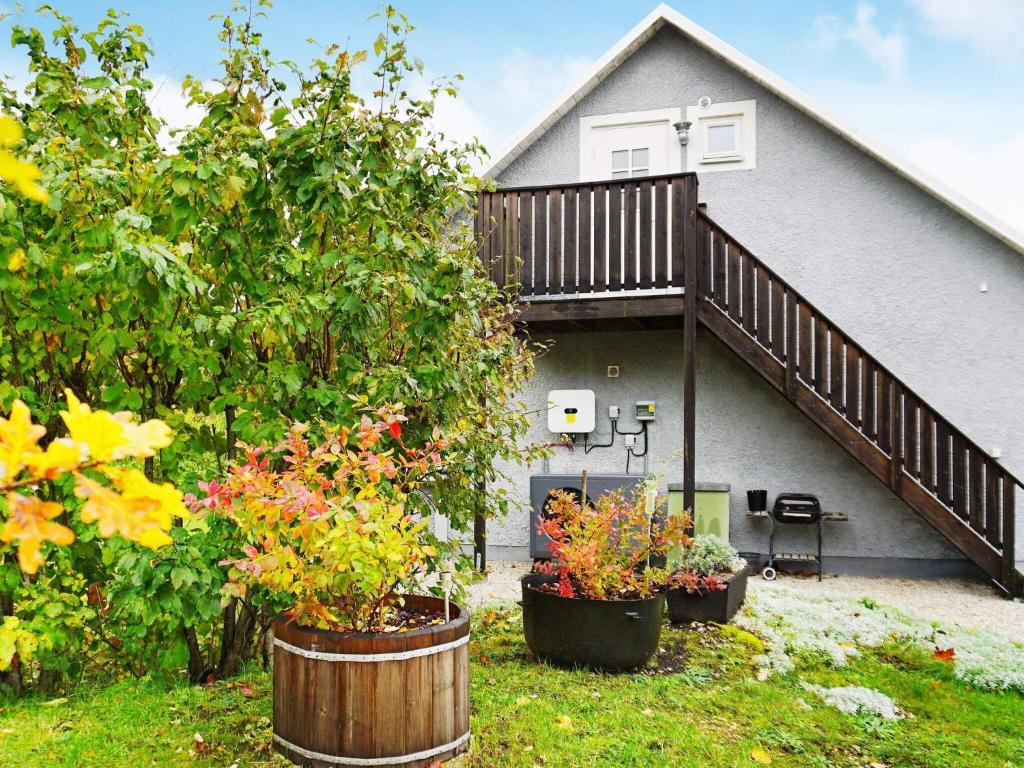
(329, 523)
(606, 549)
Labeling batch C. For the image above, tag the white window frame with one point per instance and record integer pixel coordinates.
(590, 125)
(742, 114)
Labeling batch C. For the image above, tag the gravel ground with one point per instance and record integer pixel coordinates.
(951, 601)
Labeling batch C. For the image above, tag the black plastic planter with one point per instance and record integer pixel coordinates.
(718, 607)
(608, 635)
(757, 500)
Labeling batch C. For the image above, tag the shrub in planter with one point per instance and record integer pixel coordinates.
(362, 669)
(708, 583)
(600, 601)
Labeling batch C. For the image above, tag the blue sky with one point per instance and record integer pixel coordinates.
(939, 81)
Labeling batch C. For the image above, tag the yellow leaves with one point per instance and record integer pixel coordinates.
(17, 172)
(15, 639)
(16, 260)
(143, 512)
(18, 440)
(760, 756)
(563, 723)
(10, 132)
(29, 523)
(136, 508)
(113, 436)
(59, 457)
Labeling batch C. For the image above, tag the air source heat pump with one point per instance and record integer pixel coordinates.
(543, 486)
(571, 411)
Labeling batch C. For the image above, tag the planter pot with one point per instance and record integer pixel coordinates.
(609, 635)
(718, 607)
(372, 698)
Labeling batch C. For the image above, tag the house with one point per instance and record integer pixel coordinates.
(837, 322)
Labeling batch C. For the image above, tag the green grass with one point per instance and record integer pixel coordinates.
(703, 707)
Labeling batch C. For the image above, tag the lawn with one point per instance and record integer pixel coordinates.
(701, 704)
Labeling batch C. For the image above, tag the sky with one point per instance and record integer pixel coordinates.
(940, 82)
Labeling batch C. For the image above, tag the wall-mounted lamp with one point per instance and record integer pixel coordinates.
(683, 131)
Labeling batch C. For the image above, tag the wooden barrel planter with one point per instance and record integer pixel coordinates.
(372, 698)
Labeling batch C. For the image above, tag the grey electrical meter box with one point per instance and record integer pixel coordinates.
(645, 410)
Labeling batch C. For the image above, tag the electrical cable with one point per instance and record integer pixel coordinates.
(587, 448)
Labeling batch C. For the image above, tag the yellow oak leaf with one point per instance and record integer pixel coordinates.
(143, 512)
(759, 755)
(16, 260)
(113, 436)
(29, 524)
(59, 457)
(18, 440)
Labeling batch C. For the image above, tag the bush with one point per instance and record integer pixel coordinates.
(603, 550)
(709, 556)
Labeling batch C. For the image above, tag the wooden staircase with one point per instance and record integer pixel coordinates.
(904, 442)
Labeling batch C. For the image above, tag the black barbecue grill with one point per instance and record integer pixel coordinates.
(793, 509)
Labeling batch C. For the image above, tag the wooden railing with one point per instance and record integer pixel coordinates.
(899, 437)
(586, 238)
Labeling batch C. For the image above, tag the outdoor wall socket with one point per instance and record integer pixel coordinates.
(613, 411)
(984, 287)
(630, 441)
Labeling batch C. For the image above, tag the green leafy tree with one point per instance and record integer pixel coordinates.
(302, 252)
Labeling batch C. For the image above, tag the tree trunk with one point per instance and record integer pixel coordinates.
(197, 671)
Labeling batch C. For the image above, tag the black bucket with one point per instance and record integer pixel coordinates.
(608, 635)
(757, 501)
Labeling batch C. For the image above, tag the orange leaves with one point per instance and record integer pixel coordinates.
(142, 512)
(29, 523)
(945, 654)
(330, 523)
(134, 507)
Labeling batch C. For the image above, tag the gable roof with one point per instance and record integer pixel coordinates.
(663, 16)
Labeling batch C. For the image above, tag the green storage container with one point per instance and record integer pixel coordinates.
(712, 507)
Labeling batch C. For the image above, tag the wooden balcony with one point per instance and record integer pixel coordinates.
(589, 255)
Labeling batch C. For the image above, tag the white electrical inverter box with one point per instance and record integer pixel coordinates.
(571, 411)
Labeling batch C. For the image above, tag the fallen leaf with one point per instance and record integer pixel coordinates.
(522, 701)
(564, 723)
(202, 747)
(54, 702)
(248, 692)
(648, 712)
(758, 755)
(945, 654)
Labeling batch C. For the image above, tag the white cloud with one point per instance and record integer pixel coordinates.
(886, 49)
(169, 103)
(987, 172)
(492, 107)
(992, 28)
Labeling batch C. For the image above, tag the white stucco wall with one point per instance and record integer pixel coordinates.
(896, 269)
(748, 436)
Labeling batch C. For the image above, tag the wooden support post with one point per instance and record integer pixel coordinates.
(689, 342)
(480, 534)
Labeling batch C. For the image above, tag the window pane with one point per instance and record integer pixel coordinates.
(641, 171)
(620, 174)
(641, 158)
(620, 160)
(721, 139)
